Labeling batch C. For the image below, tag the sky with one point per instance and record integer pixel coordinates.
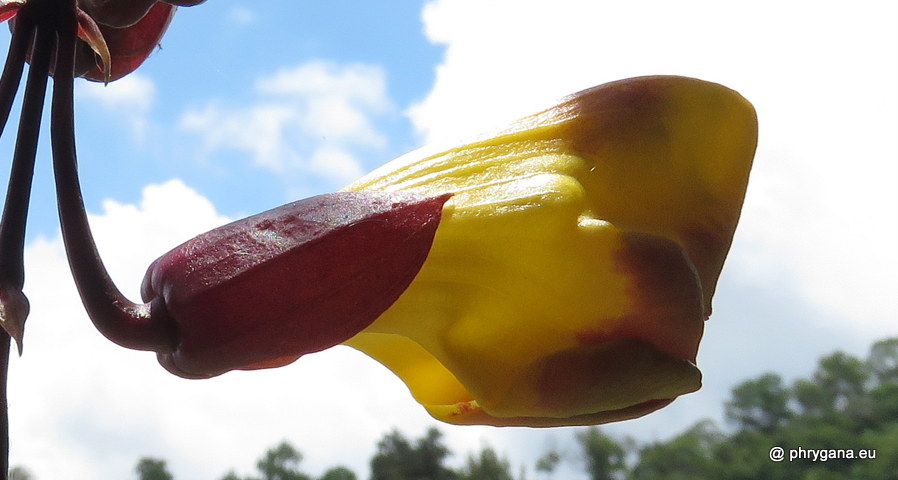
(249, 105)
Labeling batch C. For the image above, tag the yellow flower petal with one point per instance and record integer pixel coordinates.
(575, 263)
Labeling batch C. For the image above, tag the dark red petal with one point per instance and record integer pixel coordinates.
(116, 13)
(267, 289)
(9, 10)
(130, 46)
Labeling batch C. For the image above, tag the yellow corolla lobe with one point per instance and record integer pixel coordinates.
(574, 264)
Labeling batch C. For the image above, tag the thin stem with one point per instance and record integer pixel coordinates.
(9, 84)
(12, 70)
(15, 211)
(124, 322)
(4, 406)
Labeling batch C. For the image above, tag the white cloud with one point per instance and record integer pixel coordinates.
(130, 98)
(821, 207)
(259, 130)
(334, 163)
(241, 15)
(356, 83)
(300, 117)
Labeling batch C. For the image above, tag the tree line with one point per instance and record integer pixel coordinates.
(827, 426)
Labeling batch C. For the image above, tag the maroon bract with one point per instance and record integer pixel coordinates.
(264, 290)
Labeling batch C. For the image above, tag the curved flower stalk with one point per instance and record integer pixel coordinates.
(46, 33)
(575, 263)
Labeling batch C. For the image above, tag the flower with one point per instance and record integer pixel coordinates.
(574, 266)
(557, 273)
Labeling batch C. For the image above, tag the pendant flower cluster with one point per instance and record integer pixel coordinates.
(558, 272)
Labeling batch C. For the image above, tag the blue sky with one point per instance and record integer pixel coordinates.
(231, 48)
(249, 105)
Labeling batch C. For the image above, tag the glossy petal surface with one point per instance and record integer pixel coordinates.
(262, 291)
(574, 266)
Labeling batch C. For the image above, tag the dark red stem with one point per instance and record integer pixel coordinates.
(9, 85)
(124, 322)
(15, 211)
(12, 70)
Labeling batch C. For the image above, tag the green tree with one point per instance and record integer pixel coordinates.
(836, 401)
(883, 361)
(548, 462)
(843, 378)
(885, 442)
(687, 456)
(432, 455)
(397, 459)
(281, 463)
(847, 403)
(604, 456)
(339, 473)
(487, 465)
(394, 458)
(811, 397)
(760, 404)
(884, 398)
(152, 469)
